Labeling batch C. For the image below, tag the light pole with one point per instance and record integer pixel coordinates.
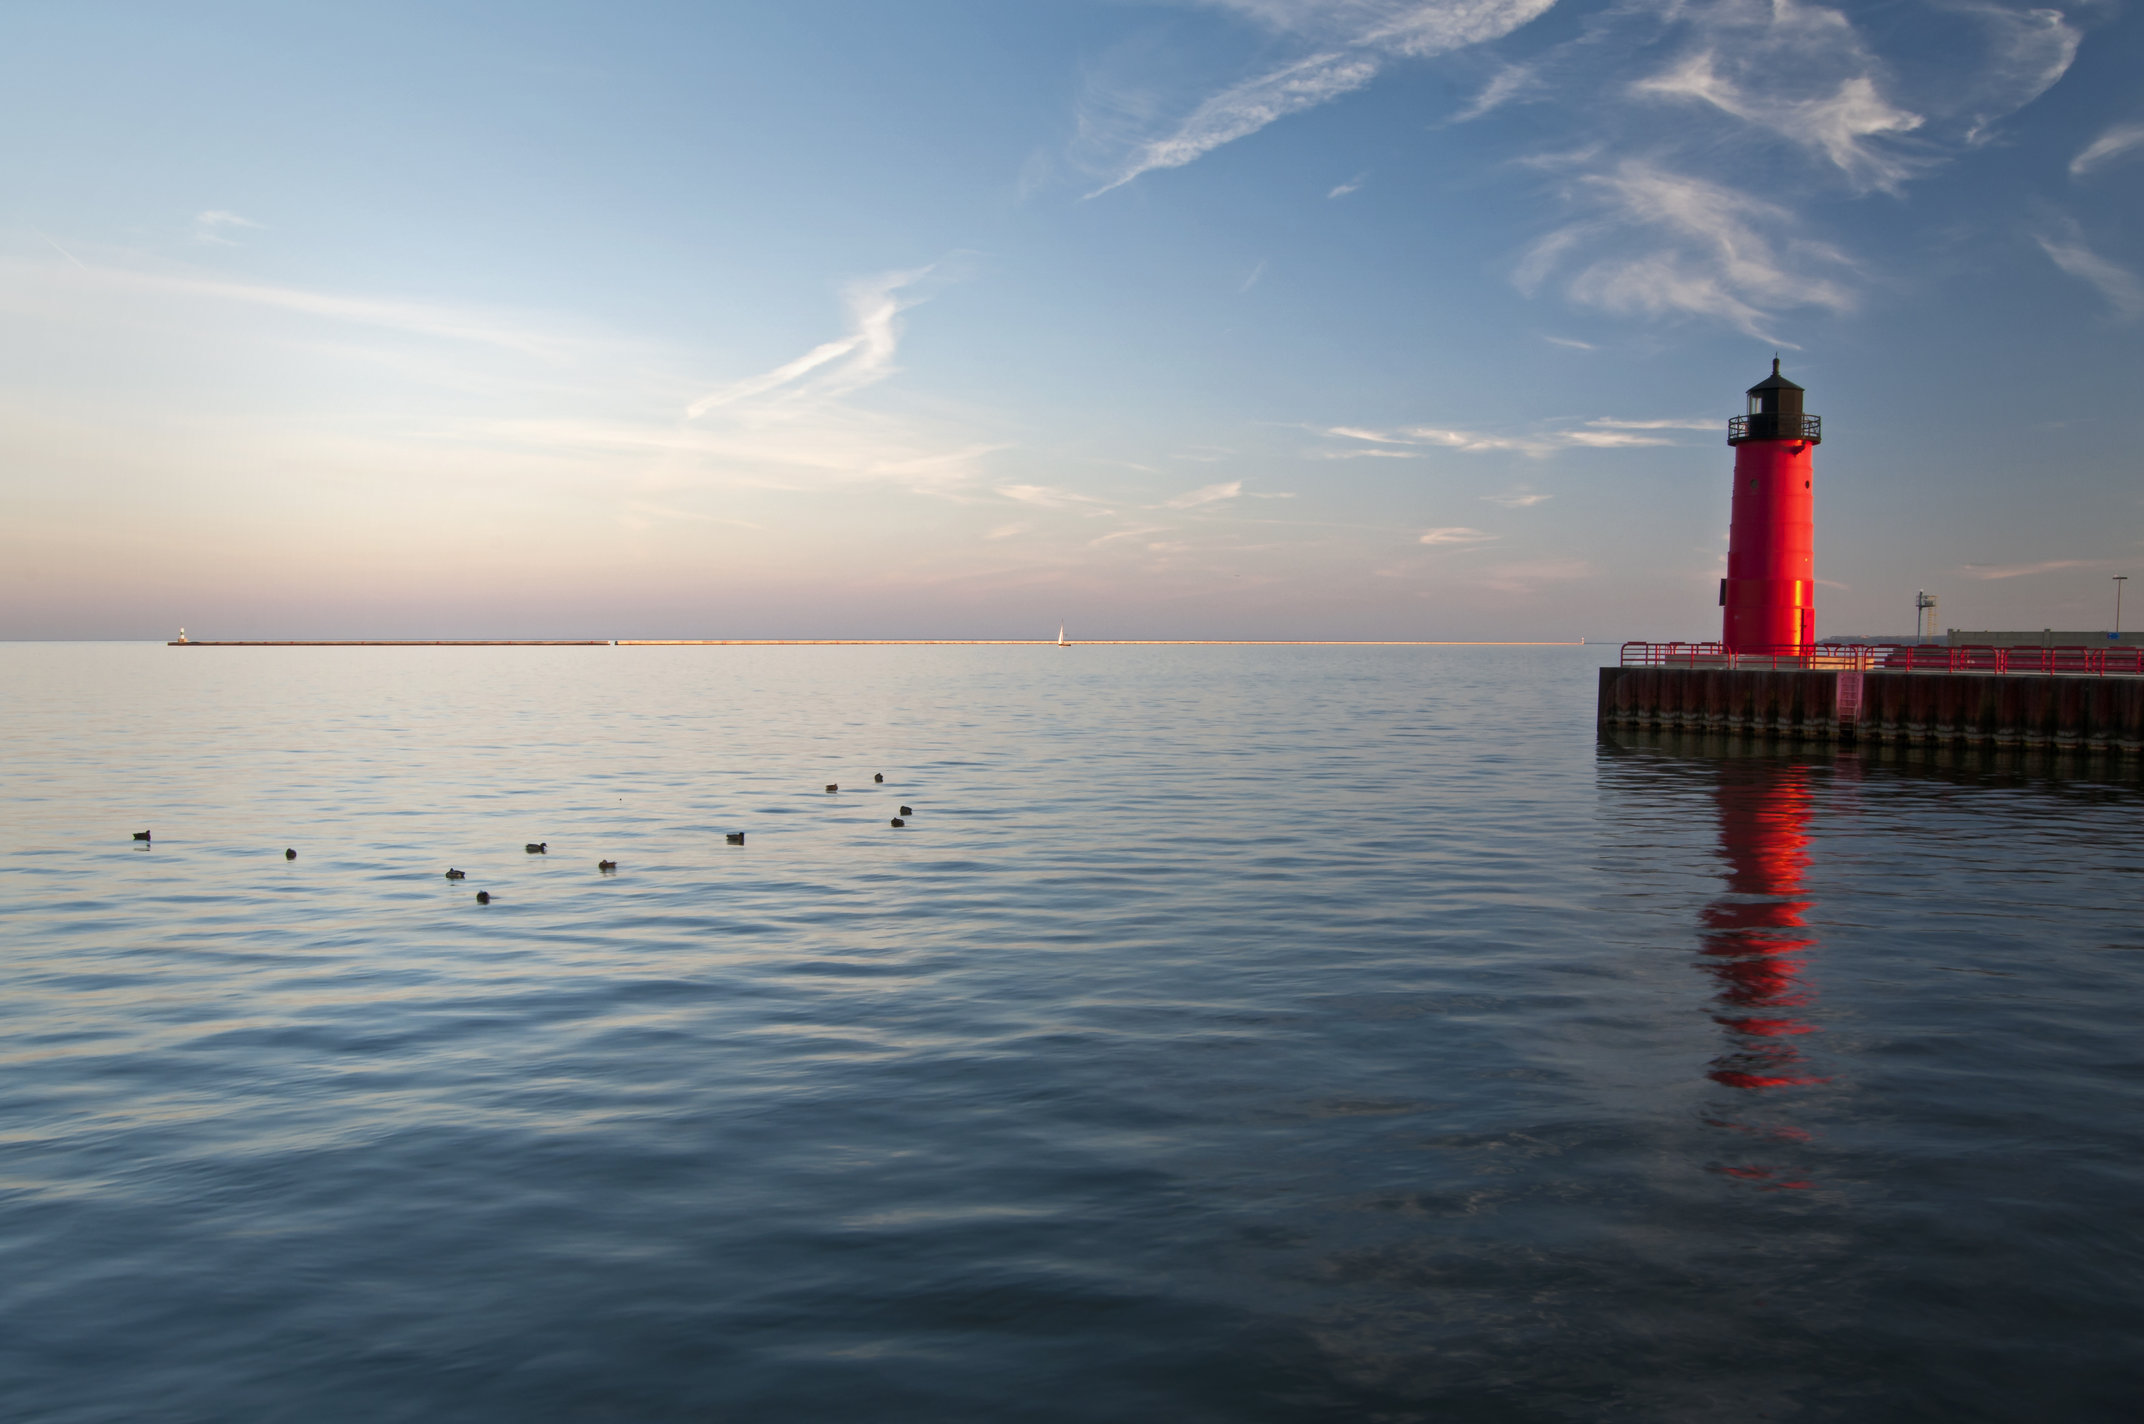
(2119, 580)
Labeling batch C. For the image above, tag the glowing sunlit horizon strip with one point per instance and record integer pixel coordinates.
(859, 642)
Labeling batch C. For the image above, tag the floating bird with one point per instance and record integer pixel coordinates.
(453, 874)
(538, 847)
(908, 810)
(734, 837)
(878, 776)
(483, 897)
(144, 835)
(897, 821)
(290, 855)
(606, 865)
(833, 786)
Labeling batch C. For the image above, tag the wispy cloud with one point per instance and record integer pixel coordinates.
(1573, 345)
(1521, 499)
(1807, 75)
(1670, 221)
(1428, 436)
(49, 242)
(216, 226)
(1411, 28)
(797, 424)
(2026, 50)
(1842, 125)
(1045, 496)
(1133, 532)
(838, 446)
(1252, 280)
(1350, 43)
(1341, 190)
(1410, 442)
(1450, 439)
(564, 441)
(1248, 107)
(1612, 439)
(1609, 422)
(1509, 83)
(2116, 283)
(1205, 494)
(2119, 142)
(1457, 534)
(2010, 571)
(1686, 247)
(832, 368)
(409, 318)
(484, 392)
(1415, 439)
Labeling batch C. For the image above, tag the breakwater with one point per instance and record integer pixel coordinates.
(843, 643)
(389, 643)
(1822, 704)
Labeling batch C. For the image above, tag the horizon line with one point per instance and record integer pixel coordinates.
(864, 642)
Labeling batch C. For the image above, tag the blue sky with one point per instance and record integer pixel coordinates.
(1345, 318)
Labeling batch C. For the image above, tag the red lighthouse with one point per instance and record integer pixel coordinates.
(1769, 594)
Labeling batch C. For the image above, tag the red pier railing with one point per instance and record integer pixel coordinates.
(1894, 657)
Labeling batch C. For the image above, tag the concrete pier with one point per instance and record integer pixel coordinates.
(2001, 709)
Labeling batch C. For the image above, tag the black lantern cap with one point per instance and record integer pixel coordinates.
(1775, 413)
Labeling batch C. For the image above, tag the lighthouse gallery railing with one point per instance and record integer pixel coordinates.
(1774, 427)
(1894, 657)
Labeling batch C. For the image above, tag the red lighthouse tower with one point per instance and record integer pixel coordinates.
(1769, 594)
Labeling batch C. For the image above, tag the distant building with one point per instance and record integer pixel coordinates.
(2041, 638)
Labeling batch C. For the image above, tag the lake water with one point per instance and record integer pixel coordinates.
(1231, 1034)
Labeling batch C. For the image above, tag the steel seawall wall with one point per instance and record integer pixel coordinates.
(2103, 713)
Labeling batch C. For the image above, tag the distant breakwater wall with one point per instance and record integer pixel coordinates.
(2019, 709)
(841, 643)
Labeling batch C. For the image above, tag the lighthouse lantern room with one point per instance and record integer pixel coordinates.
(1768, 599)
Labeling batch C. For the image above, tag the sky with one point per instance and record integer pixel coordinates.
(961, 318)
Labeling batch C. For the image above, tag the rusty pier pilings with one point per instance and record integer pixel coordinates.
(2103, 714)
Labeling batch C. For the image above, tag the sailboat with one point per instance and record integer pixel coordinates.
(1061, 636)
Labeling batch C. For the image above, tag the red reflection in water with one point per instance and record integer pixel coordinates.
(1764, 1177)
(1756, 943)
